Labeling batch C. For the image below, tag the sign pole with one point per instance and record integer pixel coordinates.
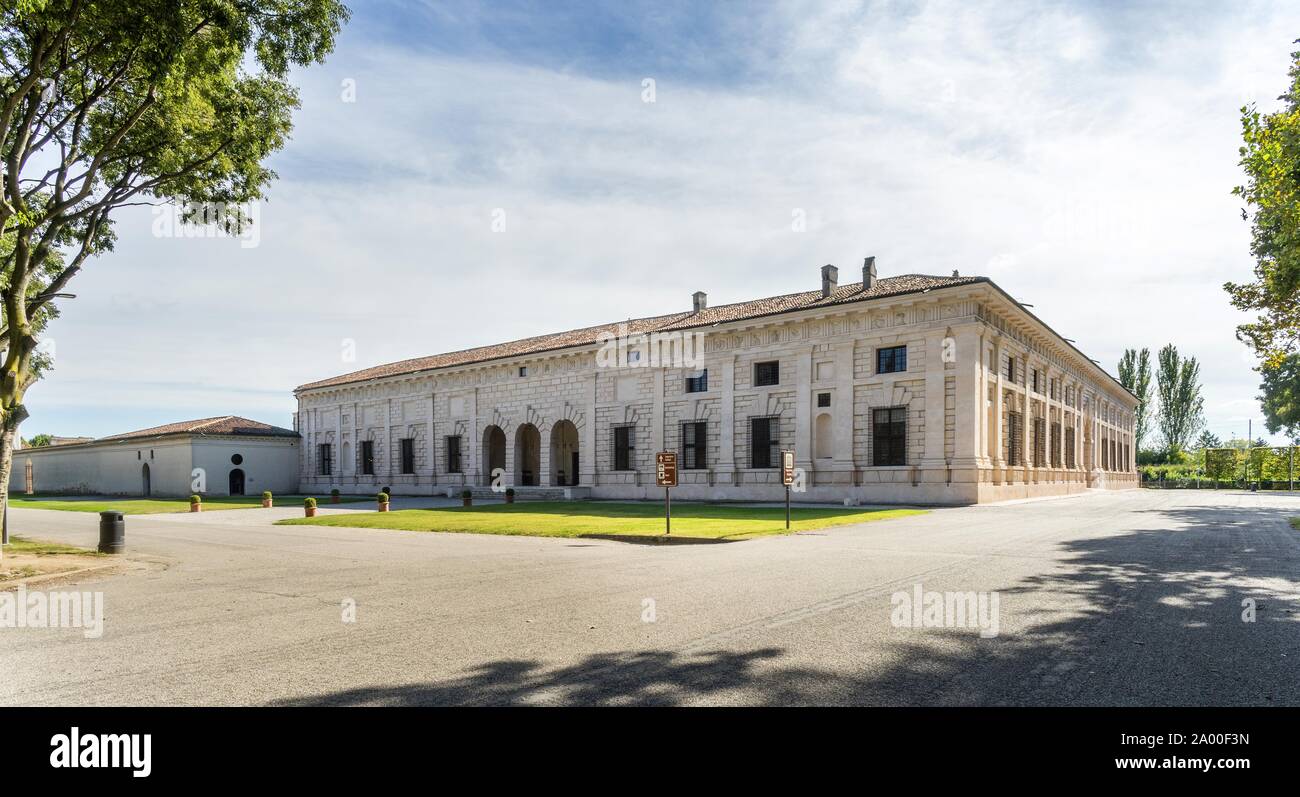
(668, 510)
(666, 477)
(787, 507)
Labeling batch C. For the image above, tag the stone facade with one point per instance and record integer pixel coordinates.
(989, 404)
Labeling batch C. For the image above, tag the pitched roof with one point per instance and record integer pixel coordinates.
(739, 311)
(221, 425)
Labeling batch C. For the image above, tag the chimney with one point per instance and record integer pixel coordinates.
(869, 273)
(830, 276)
(699, 300)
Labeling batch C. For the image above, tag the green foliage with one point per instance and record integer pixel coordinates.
(1135, 375)
(266, 495)
(309, 503)
(1178, 385)
(466, 493)
(382, 498)
(196, 499)
(40, 440)
(1280, 396)
(1208, 439)
(510, 491)
(335, 492)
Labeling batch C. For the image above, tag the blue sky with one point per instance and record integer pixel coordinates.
(1082, 155)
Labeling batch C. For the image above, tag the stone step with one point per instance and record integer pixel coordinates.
(534, 494)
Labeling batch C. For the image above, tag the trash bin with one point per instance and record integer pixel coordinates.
(112, 532)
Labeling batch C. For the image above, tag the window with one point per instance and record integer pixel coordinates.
(624, 447)
(1035, 387)
(889, 436)
(891, 360)
(1051, 389)
(1055, 440)
(823, 399)
(408, 454)
(453, 453)
(1069, 447)
(768, 373)
(694, 444)
(237, 459)
(326, 457)
(368, 457)
(698, 383)
(1015, 438)
(1039, 442)
(1009, 368)
(764, 442)
(523, 370)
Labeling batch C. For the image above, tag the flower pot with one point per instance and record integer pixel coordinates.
(467, 501)
(334, 499)
(196, 507)
(266, 503)
(383, 507)
(309, 511)
(510, 499)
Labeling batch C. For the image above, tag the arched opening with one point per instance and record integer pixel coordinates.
(494, 452)
(564, 454)
(237, 482)
(528, 455)
(29, 479)
(823, 437)
(144, 480)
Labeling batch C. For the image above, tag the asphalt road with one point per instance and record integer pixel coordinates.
(1130, 598)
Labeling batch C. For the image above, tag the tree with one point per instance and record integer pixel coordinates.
(1270, 155)
(1178, 387)
(1135, 376)
(40, 440)
(110, 104)
(1208, 439)
(1280, 396)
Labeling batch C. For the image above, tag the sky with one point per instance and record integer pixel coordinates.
(463, 174)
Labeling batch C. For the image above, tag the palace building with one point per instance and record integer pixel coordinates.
(907, 389)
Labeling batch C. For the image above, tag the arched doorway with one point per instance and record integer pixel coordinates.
(528, 455)
(494, 452)
(237, 482)
(824, 437)
(564, 454)
(144, 480)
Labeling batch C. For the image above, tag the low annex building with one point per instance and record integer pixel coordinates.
(906, 389)
(229, 455)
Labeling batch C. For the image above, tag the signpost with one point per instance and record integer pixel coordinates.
(666, 477)
(787, 478)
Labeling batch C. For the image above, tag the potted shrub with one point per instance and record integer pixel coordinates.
(334, 496)
(196, 503)
(383, 502)
(266, 499)
(309, 507)
(467, 498)
(510, 495)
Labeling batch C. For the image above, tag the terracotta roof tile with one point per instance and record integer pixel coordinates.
(739, 311)
(221, 425)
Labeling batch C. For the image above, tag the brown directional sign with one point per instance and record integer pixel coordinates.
(666, 469)
(787, 467)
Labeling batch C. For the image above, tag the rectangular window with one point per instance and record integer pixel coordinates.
(368, 457)
(624, 447)
(1056, 445)
(694, 444)
(1039, 442)
(823, 399)
(889, 436)
(891, 360)
(1010, 368)
(453, 454)
(326, 459)
(1069, 447)
(764, 442)
(698, 383)
(523, 370)
(1015, 438)
(408, 455)
(1034, 376)
(768, 373)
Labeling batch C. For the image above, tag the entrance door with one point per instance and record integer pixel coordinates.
(144, 478)
(237, 482)
(574, 477)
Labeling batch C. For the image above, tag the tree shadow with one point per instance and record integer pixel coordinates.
(1151, 615)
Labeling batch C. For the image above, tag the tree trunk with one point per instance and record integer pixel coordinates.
(7, 436)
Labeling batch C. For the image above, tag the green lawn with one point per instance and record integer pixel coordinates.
(1295, 523)
(153, 506)
(19, 545)
(567, 519)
